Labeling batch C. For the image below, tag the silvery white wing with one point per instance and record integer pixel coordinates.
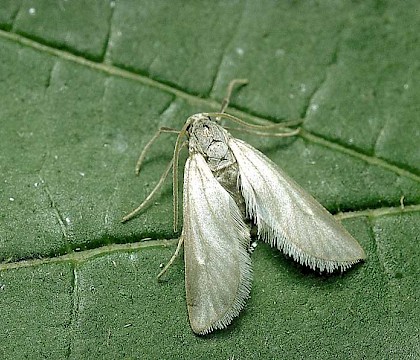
(288, 217)
(216, 239)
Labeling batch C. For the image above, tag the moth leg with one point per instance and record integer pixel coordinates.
(151, 141)
(150, 196)
(174, 256)
(156, 188)
(232, 84)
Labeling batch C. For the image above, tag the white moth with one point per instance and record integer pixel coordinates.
(226, 182)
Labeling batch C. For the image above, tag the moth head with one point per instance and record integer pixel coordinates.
(199, 130)
(195, 122)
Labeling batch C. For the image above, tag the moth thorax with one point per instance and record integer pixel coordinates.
(211, 140)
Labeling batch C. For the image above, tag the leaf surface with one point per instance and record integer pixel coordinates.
(85, 85)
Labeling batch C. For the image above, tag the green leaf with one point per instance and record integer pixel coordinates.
(85, 85)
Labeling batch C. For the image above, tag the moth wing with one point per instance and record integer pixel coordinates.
(288, 217)
(216, 241)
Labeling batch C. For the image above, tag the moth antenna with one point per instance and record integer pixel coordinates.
(260, 133)
(177, 149)
(254, 128)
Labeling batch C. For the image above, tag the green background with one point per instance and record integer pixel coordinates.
(83, 87)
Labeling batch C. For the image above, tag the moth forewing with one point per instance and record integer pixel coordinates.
(216, 241)
(288, 217)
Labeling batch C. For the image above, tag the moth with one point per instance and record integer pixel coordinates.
(227, 184)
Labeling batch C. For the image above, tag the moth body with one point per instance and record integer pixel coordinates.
(228, 185)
